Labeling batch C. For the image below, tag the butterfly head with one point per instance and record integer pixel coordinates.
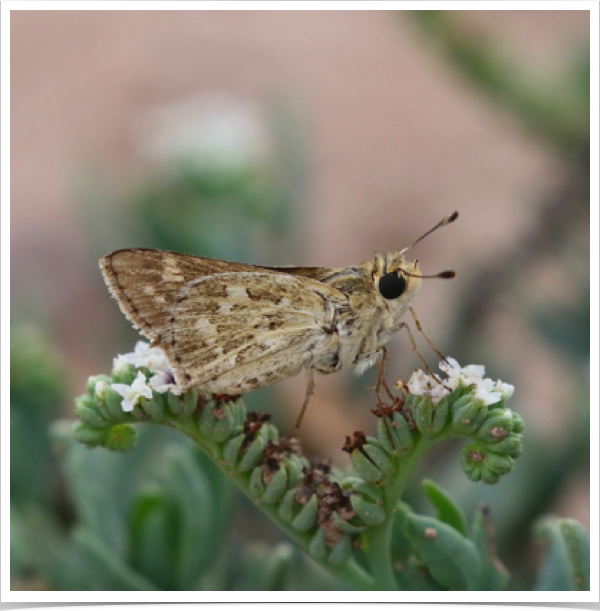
(395, 279)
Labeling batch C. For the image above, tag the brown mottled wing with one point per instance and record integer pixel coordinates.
(169, 296)
(232, 332)
(146, 283)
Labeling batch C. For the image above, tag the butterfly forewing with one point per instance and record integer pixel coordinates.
(147, 282)
(227, 327)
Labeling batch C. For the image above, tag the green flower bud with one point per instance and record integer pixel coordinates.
(479, 463)
(102, 409)
(456, 394)
(276, 487)
(512, 445)
(175, 404)
(190, 402)
(423, 415)
(286, 507)
(499, 463)
(386, 435)
(496, 428)
(113, 401)
(518, 423)
(440, 416)
(341, 552)
(317, 547)
(307, 517)
(271, 433)
(468, 418)
(238, 412)
(87, 411)
(364, 467)
(121, 438)
(380, 458)
(231, 451)
(402, 434)
(373, 441)
(124, 375)
(474, 475)
(411, 400)
(295, 464)
(488, 476)
(494, 411)
(256, 486)
(471, 459)
(155, 407)
(370, 513)
(90, 385)
(253, 454)
(223, 426)
(91, 437)
(463, 400)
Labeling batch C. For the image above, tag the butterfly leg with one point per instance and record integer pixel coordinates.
(381, 361)
(420, 329)
(310, 387)
(405, 326)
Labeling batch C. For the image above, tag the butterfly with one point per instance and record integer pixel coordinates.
(228, 328)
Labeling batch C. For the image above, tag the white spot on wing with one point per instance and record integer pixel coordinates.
(225, 307)
(171, 270)
(203, 324)
(237, 292)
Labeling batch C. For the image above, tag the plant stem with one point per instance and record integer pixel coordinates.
(379, 539)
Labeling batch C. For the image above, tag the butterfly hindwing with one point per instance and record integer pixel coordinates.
(259, 322)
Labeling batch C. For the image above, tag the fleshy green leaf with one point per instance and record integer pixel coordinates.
(452, 559)
(494, 575)
(106, 569)
(567, 563)
(447, 511)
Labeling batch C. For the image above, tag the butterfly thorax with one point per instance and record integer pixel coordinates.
(363, 324)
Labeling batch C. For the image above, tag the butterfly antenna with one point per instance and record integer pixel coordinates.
(445, 221)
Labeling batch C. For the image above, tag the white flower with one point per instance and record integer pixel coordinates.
(438, 393)
(475, 372)
(507, 390)
(164, 382)
(418, 381)
(132, 393)
(120, 363)
(422, 384)
(144, 356)
(468, 375)
(485, 389)
(450, 367)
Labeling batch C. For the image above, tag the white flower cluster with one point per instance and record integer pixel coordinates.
(153, 359)
(486, 389)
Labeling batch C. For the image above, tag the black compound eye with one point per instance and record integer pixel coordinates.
(392, 285)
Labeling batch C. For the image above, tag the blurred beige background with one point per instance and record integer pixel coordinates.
(395, 139)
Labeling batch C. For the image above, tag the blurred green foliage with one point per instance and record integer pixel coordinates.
(557, 109)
